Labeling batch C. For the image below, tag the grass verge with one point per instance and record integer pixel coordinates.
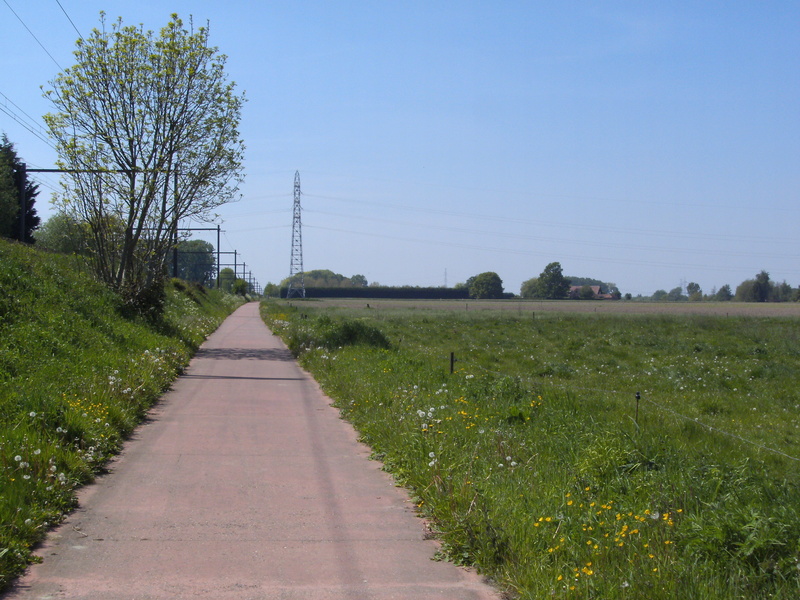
(534, 463)
(75, 378)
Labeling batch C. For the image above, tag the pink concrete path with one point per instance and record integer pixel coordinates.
(245, 485)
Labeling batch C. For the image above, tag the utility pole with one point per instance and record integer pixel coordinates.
(296, 264)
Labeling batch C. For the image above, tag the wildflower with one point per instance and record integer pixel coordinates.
(32, 414)
(431, 454)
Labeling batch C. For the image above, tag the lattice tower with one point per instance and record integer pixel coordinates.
(296, 288)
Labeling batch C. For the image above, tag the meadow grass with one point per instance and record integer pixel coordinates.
(76, 377)
(530, 459)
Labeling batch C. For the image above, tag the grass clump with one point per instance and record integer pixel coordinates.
(76, 376)
(532, 463)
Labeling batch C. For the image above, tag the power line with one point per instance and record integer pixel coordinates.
(572, 241)
(33, 122)
(672, 235)
(32, 35)
(69, 19)
(16, 118)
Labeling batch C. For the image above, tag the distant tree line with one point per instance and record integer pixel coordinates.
(551, 284)
(759, 289)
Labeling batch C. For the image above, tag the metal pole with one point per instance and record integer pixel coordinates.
(23, 201)
(218, 257)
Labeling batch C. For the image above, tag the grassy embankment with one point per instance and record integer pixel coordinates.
(75, 378)
(532, 463)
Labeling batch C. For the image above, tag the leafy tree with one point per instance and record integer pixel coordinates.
(530, 288)
(486, 286)
(358, 281)
(762, 287)
(659, 295)
(10, 175)
(676, 295)
(586, 293)
(156, 122)
(694, 292)
(226, 279)
(782, 292)
(466, 285)
(63, 233)
(196, 261)
(746, 291)
(754, 290)
(552, 283)
(724, 294)
(272, 290)
(240, 287)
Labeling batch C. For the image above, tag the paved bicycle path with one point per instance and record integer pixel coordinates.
(246, 484)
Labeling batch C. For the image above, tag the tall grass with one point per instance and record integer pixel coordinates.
(532, 463)
(75, 378)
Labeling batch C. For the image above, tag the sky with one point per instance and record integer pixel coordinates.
(648, 144)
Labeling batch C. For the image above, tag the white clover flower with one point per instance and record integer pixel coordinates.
(432, 463)
(431, 455)
(37, 452)
(32, 414)
(17, 458)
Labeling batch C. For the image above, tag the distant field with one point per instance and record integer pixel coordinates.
(749, 309)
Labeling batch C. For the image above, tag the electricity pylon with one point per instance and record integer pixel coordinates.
(296, 289)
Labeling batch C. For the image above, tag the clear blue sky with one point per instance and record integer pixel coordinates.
(642, 143)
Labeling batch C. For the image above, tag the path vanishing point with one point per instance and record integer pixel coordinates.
(244, 484)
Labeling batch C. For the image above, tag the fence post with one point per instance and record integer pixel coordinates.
(638, 397)
(452, 362)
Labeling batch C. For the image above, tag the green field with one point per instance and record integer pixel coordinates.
(534, 461)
